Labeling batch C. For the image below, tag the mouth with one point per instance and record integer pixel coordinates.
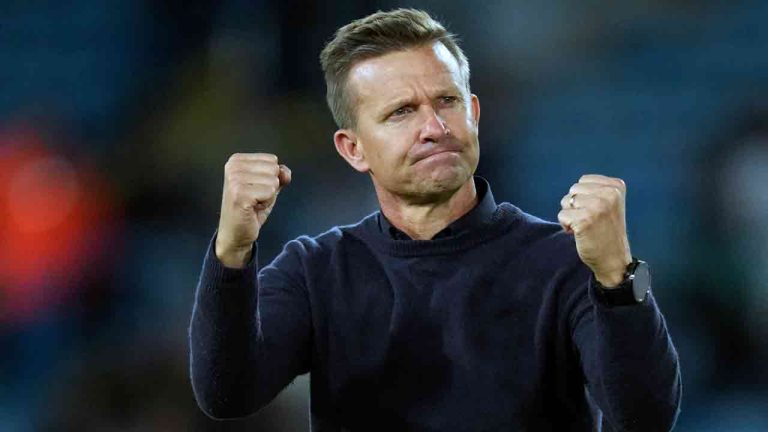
(437, 152)
(436, 155)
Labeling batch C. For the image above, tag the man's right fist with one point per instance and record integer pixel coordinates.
(251, 184)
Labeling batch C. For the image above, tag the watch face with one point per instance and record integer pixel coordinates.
(641, 282)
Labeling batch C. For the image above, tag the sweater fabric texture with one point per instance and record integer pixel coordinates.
(492, 325)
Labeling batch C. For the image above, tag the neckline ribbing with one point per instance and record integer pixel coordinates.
(368, 231)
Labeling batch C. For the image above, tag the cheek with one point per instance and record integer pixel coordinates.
(393, 144)
(471, 125)
(459, 120)
(469, 121)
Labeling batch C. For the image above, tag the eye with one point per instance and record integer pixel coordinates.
(448, 100)
(403, 110)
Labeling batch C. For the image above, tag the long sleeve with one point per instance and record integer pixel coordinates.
(249, 334)
(629, 363)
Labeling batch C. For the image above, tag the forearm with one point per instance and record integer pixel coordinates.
(631, 365)
(249, 335)
(224, 338)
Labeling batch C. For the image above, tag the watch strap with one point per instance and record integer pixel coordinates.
(621, 295)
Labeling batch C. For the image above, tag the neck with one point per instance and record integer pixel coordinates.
(422, 220)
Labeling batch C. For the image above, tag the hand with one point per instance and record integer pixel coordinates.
(251, 184)
(593, 210)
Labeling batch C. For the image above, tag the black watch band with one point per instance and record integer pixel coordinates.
(632, 290)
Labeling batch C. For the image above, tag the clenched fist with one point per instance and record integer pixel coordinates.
(251, 184)
(593, 210)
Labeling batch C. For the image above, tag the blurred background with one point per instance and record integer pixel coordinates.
(116, 119)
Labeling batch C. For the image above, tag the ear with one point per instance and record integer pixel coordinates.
(475, 109)
(348, 147)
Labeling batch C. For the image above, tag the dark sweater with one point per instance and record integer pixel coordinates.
(494, 326)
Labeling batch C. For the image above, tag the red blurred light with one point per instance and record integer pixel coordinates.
(52, 212)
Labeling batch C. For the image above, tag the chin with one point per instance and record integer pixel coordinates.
(443, 182)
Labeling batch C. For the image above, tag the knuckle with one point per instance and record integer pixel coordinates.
(266, 189)
(233, 162)
(233, 177)
(268, 157)
(621, 184)
(236, 190)
(610, 196)
(616, 195)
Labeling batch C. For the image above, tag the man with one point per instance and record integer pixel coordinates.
(444, 311)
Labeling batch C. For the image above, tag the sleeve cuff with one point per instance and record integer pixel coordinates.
(613, 297)
(213, 269)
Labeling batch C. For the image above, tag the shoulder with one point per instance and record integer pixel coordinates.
(550, 253)
(307, 255)
(331, 239)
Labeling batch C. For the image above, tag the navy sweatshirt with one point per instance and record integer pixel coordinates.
(493, 325)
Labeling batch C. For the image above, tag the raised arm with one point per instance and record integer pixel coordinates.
(630, 365)
(627, 356)
(250, 330)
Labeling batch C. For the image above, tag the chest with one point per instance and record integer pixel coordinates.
(428, 328)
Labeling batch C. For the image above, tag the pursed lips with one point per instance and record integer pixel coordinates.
(432, 150)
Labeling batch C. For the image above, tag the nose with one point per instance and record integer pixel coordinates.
(434, 127)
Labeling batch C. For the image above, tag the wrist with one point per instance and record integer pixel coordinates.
(632, 290)
(614, 277)
(610, 280)
(233, 256)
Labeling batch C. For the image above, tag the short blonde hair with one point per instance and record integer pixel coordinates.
(372, 36)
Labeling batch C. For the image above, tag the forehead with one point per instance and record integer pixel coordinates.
(426, 68)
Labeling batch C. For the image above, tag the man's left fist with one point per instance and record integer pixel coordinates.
(593, 210)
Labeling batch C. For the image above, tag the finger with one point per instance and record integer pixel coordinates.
(238, 163)
(247, 196)
(284, 176)
(246, 182)
(604, 191)
(568, 201)
(589, 187)
(601, 179)
(571, 219)
(267, 157)
(266, 171)
(239, 159)
(263, 196)
(580, 200)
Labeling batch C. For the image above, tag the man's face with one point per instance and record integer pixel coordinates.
(417, 124)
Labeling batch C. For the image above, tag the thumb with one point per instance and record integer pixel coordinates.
(284, 176)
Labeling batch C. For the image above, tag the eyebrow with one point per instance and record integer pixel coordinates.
(396, 103)
(405, 100)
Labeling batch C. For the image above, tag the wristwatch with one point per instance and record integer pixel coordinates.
(633, 289)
